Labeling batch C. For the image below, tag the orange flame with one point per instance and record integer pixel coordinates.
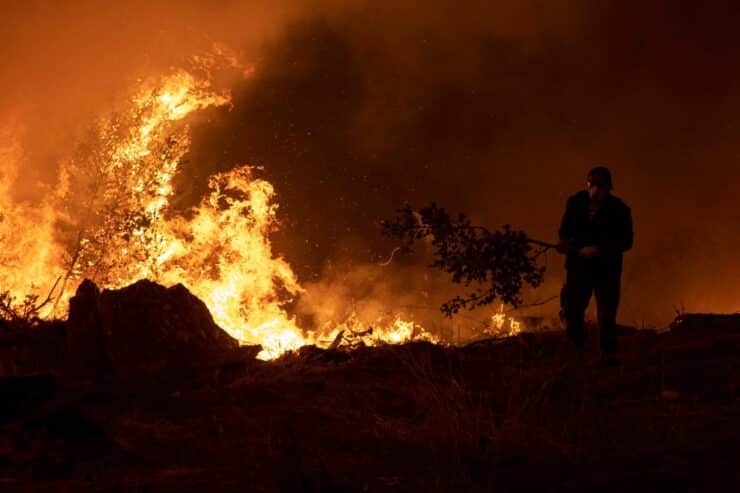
(503, 326)
(110, 219)
(29, 256)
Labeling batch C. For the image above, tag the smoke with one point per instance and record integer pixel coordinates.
(495, 108)
(373, 294)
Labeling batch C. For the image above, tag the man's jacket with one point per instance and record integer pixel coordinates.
(610, 230)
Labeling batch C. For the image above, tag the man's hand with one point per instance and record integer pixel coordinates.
(589, 251)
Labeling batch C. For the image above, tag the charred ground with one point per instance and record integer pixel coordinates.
(515, 414)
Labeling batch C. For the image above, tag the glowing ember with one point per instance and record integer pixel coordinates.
(502, 325)
(383, 330)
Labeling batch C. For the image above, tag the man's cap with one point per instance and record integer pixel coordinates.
(603, 173)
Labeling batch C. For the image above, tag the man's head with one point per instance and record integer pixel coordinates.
(599, 182)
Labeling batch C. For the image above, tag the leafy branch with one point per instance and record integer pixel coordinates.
(495, 264)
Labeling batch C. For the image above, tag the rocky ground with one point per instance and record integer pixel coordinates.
(520, 414)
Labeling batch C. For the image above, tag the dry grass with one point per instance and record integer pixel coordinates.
(516, 415)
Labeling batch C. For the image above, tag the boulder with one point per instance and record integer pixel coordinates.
(149, 328)
(84, 334)
(143, 328)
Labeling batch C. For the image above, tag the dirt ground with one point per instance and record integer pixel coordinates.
(519, 414)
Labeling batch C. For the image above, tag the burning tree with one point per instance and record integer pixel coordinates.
(109, 217)
(117, 187)
(120, 225)
(498, 263)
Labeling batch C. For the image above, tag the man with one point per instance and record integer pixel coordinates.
(595, 231)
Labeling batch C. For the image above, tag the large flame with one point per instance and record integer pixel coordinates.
(110, 219)
(220, 251)
(29, 257)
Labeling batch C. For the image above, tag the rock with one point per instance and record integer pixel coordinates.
(689, 322)
(142, 329)
(84, 334)
(149, 328)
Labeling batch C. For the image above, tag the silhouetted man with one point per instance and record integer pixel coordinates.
(596, 230)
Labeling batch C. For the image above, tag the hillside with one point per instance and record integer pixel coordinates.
(518, 414)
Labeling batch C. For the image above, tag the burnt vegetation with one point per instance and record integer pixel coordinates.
(140, 390)
(519, 414)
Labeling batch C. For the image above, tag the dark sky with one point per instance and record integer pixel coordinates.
(497, 109)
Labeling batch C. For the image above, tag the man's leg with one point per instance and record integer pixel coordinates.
(574, 299)
(607, 291)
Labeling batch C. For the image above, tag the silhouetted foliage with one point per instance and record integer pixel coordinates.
(25, 311)
(498, 263)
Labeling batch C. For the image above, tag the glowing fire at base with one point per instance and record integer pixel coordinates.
(503, 326)
(110, 219)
